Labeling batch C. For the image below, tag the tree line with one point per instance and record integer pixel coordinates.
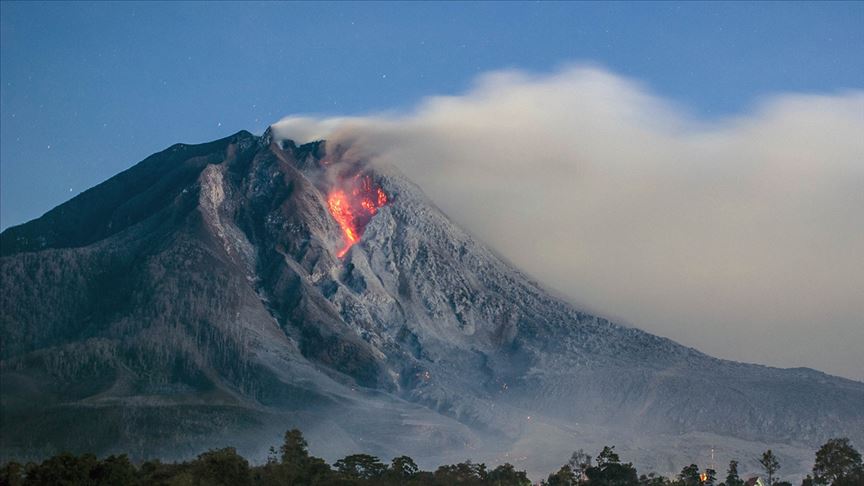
(837, 464)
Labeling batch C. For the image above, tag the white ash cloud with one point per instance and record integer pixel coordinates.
(743, 237)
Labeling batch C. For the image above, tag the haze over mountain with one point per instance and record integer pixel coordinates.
(737, 235)
(217, 294)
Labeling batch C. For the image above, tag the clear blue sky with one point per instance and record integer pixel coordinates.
(90, 89)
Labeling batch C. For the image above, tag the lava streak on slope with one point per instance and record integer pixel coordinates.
(352, 206)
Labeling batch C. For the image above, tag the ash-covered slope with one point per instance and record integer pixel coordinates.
(198, 299)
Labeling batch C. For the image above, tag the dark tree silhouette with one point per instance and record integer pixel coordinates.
(464, 473)
(609, 470)
(402, 469)
(770, 464)
(837, 462)
(221, 467)
(710, 477)
(62, 470)
(564, 477)
(732, 478)
(360, 466)
(114, 470)
(12, 474)
(607, 456)
(297, 466)
(507, 475)
(689, 475)
(294, 450)
(653, 479)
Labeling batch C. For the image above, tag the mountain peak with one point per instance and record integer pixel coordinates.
(238, 288)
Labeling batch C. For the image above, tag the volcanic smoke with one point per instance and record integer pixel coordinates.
(353, 205)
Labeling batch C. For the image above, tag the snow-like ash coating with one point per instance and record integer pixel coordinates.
(741, 235)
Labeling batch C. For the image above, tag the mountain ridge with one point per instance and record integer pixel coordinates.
(206, 276)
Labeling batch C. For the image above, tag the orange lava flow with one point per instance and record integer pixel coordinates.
(352, 206)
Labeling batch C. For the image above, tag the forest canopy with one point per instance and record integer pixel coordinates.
(837, 463)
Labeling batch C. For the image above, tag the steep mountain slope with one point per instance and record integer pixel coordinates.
(199, 299)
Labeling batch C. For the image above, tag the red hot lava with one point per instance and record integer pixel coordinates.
(352, 206)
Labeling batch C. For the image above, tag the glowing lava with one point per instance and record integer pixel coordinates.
(353, 205)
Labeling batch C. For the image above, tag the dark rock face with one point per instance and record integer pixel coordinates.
(196, 300)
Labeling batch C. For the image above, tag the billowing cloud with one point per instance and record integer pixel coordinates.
(743, 237)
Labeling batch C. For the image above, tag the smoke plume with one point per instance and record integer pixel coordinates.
(742, 237)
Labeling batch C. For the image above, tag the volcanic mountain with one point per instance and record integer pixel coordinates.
(217, 294)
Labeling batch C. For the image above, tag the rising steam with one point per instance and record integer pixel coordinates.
(741, 236)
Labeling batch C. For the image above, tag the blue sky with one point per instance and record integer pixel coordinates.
(88, 89)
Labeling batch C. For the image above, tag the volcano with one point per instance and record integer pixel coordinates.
(218, 294)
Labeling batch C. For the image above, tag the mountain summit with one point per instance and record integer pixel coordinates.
(217, 294)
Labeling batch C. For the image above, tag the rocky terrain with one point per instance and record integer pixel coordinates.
(199, 299)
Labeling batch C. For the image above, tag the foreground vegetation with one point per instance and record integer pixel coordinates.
(837, 464)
